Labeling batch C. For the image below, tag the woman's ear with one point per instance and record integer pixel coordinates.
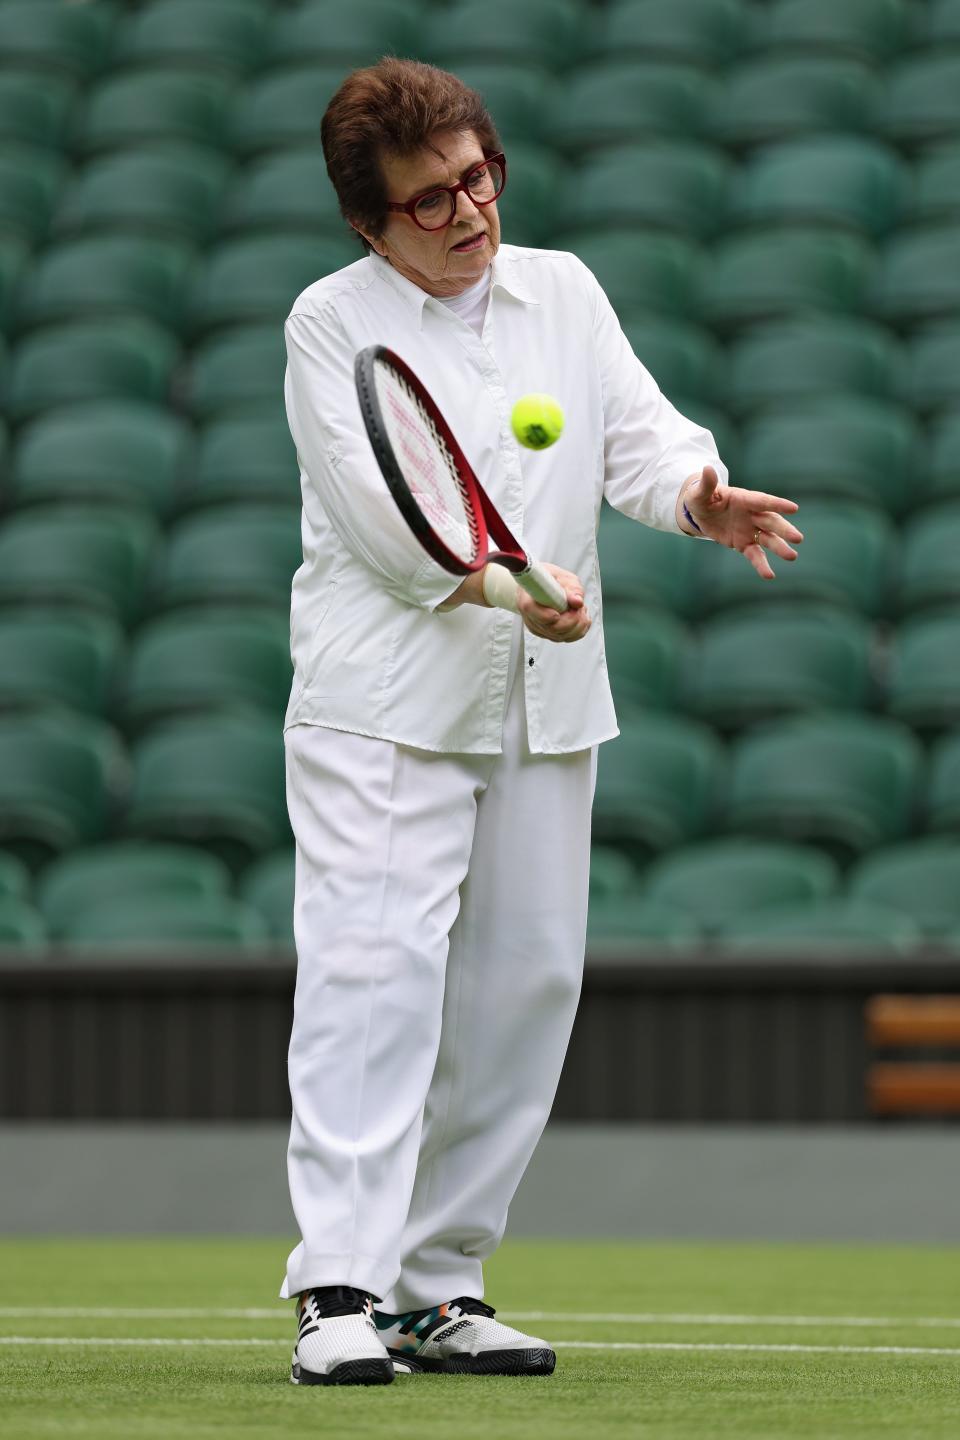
(372, 241)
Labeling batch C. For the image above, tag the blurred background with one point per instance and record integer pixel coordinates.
(769, 191)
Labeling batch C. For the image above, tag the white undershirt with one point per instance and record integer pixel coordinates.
(471, 305)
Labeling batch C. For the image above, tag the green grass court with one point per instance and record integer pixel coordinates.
(170, 1338)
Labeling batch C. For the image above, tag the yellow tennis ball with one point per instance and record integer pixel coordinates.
(537, 421)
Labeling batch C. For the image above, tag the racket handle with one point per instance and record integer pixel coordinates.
(499, 587)
(543, 586)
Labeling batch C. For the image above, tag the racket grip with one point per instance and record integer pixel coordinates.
(499, 587)
(543, 586)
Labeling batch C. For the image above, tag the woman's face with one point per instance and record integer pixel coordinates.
(442, 262)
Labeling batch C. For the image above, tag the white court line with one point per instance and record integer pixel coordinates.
(651, 1317)
(652, 1345)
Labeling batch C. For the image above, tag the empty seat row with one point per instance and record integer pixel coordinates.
(111, 561)
(692, 188)
(855, 369)
(115, 561)
(761, 275)
(716, 881)
(599, 103)
(133, 454)
(847, 782)
(740, 670)
(850, 558)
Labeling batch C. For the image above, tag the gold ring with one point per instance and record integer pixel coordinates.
(756, 535)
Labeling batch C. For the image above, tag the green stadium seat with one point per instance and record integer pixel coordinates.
(122, 357)
(210, 661)
(94, 558)
(923, 679)
(120, 452)
(211, 781)
(773, 98)
(173, 192)
(848, 782)
(656, 783)
(847, 560)
(873, 30)
(66, 39)
(106, 275)
(936, 184)
(286, 190)
(640, 566)
(30, 181)
(842, 180)
(932, 367)
(13, 256)
(645, 651)
(808, 358)
(677, 185)
(857, 448)
(752, 667)
(710, 33)
(920, 99)
(620, 101)
(772, 273)
(551, 30)
(684, 359)
(710, 417)
(941, 23)
(21, 927)
(918, 277)
(527, 209)
(133, 109)
(49, 659)
(918, 878)
(14, 878)
(717, 881)
(826, 927)
(268, 886)
(943, 480)
(519, 94)
(284, 108)
(238, 554)
(625, 923)
(354, 34)
(225, 35)
(134, 870)
(148, 923)
(61, 777)
(245, 457)
(942, 790)
(236, 370)
(612, 874)
(35, 108)
(256, 279)
(929, 573)
(640, 271)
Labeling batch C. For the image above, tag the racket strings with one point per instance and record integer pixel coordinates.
(430, 467)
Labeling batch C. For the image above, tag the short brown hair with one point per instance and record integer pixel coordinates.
(395, 105)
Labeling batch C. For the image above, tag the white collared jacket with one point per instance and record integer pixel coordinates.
(371, 653)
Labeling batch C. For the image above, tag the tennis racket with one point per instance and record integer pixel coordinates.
(436, 491)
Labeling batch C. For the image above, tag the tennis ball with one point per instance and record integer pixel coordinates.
(537, 421)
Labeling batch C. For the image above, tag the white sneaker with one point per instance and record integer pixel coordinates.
(337, 1342)
(462, 1337)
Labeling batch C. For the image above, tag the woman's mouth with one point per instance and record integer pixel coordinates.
(474, 243)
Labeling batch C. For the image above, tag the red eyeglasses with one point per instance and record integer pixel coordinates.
(435, 209)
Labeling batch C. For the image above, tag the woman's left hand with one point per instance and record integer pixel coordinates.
(732, 517)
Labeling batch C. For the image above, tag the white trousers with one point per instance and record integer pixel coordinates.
(440, 921)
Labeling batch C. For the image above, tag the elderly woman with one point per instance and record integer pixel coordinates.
(441, 753)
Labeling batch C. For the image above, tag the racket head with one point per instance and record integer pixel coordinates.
(426, 472)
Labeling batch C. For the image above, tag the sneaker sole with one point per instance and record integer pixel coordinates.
(493, 1362)
(350, 1372)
